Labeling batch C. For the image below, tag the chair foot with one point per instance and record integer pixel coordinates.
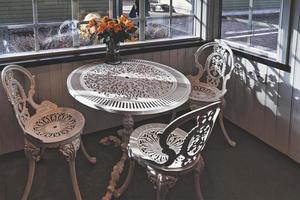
(229, 140)
(69, 151)
(33, 155)
(91, 159)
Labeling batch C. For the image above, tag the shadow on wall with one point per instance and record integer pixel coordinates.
(254, 94)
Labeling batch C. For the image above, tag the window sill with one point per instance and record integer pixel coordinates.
(263, 58)
(56, 56)
(260, 59)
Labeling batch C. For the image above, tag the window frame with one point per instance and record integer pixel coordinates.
(281, 55)
(37, 53)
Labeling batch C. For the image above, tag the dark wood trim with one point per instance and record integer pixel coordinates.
(262, 60)
(94, 53)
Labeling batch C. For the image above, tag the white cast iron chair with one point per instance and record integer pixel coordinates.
(168, 151)
(48, 126)
(209, 84)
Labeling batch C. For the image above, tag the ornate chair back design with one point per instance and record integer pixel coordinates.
(218, 65)
(16, 92)
(195, 139)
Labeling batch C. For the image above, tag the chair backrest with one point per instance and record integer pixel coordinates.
(16, 93)
(219, 64)
(196, 138)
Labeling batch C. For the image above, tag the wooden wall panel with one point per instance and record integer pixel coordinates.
(294, 139)
(11, 136)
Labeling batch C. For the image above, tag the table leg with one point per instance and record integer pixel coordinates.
(128, 124)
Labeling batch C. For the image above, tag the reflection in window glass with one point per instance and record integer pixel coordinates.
(252, 23)
(161, 20)
(62, 23)
(17, 40)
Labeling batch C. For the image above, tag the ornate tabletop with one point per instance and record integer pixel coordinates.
(133, 87)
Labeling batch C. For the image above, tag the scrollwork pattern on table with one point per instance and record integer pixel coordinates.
(128, 81)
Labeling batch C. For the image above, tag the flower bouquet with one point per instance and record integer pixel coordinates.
(112, 32)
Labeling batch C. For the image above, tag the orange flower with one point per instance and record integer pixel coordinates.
(117, 28)
(123, 19)
(92, 23)
(129, 24)
(101, 27)
(105, 19)
(111, 24)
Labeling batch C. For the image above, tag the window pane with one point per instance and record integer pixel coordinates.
(15, 12)
(182, 18)
(158, 19)
(99, 7)
(16, 40)
(54, 10)
(55, 36)
(157, 28)
(252, 23)
(182, 25)
(127, 6)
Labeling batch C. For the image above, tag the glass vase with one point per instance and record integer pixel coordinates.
(113, 52)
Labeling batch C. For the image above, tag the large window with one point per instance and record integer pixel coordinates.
(37, 25)
(254, 25)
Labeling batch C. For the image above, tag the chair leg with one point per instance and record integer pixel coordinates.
(229, 140)
(31, 170)
(118, 192)
(69, 151)
(197, 175)
(33, 155)
(173, 115)
(162, 183)
(91, 159)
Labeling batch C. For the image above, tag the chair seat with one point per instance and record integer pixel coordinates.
(55, 125)
(144, 144)
(205, 93)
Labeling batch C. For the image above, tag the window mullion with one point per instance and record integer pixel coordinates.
(75, 17)
(35, 25)
(250, 18)
(170, 18)
(283, 32)
(142, 19)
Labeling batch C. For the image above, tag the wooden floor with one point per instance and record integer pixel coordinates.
(250, 171)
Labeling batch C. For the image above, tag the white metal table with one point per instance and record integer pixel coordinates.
(134, 87)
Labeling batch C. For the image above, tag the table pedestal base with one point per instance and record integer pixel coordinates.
(124, 133)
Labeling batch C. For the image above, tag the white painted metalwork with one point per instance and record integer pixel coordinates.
(168, 151)
(48, 126)
(209, 84)
(133, 87)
